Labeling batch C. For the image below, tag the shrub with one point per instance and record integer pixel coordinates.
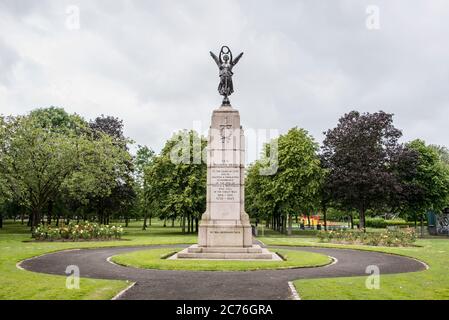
(388, 238)
(73, 231)
(382, 223)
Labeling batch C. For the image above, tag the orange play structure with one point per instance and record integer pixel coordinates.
(314, 220)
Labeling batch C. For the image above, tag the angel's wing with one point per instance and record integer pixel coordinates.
(217, 61)
(236, 60)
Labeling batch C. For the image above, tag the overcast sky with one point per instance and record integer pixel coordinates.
(306, 62)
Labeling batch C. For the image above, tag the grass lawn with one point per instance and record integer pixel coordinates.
(429, 284)
(152, 259)
(21, 284)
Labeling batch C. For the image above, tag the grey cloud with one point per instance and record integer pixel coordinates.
(305, 62)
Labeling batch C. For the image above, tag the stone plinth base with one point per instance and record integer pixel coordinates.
(216, 234)
(255, 252)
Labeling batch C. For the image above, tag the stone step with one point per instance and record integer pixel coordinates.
(254, 249)
(222, 255)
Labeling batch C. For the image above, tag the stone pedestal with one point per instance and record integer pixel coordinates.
(225, 230)
(225, 222)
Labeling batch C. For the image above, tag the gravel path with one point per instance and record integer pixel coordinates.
(210, 285)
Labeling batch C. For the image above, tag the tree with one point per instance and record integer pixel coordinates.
(4, 196)
(259, 203)
(358, 154)
(40, 159)
(443, 152)
(143, 159)
(175, 184)
(112, 126)
(34, 161)
(294, 187)
(324, 194)
(119, 192)
(429, 185)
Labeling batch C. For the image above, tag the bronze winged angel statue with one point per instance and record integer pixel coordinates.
(225, 63)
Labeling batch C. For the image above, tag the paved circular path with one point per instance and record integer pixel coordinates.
(239, 285)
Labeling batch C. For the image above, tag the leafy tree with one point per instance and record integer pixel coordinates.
(358, 154)
(118, 193)
(443, 153)
(177, 189)
(112, 126)
(4, 196)
(258, 201)
(294, 187)
(35, 161)
(41, 159)
(143, 159)
(404, 166)
(430, 183)
(57, 119)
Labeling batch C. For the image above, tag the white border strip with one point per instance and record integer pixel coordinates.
(334, 261)
(109, 259)
(19, 264)
(422, 262)
(121, 293)
(295, 294)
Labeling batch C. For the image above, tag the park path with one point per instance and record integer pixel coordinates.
(215, 285)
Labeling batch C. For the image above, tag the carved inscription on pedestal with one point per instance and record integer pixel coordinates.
(225, 184)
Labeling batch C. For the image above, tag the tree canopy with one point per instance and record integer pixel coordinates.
(359, 154)
(48, 152)
(177, 189)
(293, 189)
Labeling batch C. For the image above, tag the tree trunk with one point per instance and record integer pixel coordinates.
(100, 213)
(351, 220)
(30, 220)
(36, 218)
(126, 221)
(144, 227)
(325, 218)
(183, 223)
(196, 225)
(362, 220)
(422, 226)
(290, 221)
(49, 212)
(173, 222)
(1, 221)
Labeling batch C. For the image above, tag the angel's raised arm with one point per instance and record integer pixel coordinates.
(236, 60)
(217, 61)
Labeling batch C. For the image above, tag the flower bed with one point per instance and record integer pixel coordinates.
(389, 238)
(77, 231)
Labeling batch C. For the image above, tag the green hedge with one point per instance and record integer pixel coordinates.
(382, 223)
